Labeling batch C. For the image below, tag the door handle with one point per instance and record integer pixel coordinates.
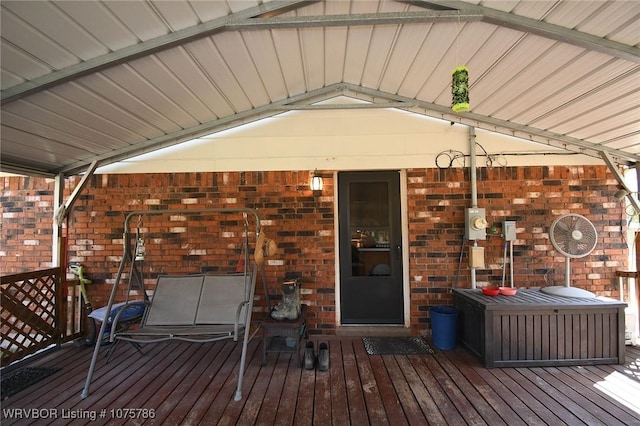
(398, 252)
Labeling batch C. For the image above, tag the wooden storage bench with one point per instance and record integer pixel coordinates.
(537, 329)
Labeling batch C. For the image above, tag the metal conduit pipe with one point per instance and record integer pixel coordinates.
(472, 166)
(474, 186)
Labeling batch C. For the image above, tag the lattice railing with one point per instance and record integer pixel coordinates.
(34, 313)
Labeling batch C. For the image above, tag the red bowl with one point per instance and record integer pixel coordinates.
(490, 291)
(508, 291)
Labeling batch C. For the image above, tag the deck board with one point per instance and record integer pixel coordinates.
(392, 405)
(373, 400)
(512, 411)
(355, 394)
(339, 407)
(189, 383)
(410, 400)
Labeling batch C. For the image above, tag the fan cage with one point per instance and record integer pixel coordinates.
(573, 235)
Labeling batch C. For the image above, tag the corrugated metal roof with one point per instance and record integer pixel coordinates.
(105, 80)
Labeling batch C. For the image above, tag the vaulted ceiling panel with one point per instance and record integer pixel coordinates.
(383, 41)
(598, 19)
(262, 48)
(521, 87)
(53, 111)
(32, 42)
(533, 9)
(44, 134)
(182, 81)
(51, 23)
(49, 152)
(502, 5)
(418, 67)
(501, 85)
(134, 83)
(358, 49)
(335, 54)
(140, 18)
(429, 68)
(121, 124)
(312, 45)
(100, 21)
(581, 96)
(313, 58)
(208, 11)
(144, 117)
(575, 14)
(553, 92)
(101, 80)
(628, 30)
(169, 90)
(624, 138)
(592, 116)
(197, 87)
(232, 97)
(407, 45)
(16, 66)
(177, 15)
(287, 44)
(240, 62)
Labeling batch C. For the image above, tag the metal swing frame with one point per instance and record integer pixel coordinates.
(229, 330)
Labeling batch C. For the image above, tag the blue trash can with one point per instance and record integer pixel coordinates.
(444, 323)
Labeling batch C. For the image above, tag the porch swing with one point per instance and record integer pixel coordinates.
(194, 308)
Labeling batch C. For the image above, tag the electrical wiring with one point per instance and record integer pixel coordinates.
(446, 159)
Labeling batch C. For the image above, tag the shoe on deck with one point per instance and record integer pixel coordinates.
(309, 356)
(323, 357)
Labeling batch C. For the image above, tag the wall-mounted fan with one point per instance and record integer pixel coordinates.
(574, 236)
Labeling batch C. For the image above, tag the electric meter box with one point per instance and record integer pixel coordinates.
(475, 223)
(509, 230)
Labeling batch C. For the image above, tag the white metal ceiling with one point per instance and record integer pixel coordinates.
(86, 81)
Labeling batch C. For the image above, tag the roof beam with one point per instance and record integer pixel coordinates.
(541, 28)
(145, 48)
(367, 105)
(383, 18)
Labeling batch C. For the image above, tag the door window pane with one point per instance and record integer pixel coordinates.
(370, 231)
(368, 205)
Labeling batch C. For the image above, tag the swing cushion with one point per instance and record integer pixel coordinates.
(132, 310)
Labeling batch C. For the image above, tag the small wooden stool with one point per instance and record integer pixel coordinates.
(276, 334)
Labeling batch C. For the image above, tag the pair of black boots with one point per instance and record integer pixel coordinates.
(310, 358)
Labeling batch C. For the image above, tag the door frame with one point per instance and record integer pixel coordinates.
(404, 224)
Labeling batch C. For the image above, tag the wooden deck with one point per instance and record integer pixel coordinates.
(183, 383)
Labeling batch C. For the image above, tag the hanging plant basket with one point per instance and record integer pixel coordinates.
(460, 89)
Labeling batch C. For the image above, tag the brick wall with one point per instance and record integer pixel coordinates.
(531, 196)
(26, 228)
(303, 226)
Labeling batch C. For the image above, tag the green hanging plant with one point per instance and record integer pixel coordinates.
(460, 89)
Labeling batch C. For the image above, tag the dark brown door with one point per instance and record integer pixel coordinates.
(371, 290)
